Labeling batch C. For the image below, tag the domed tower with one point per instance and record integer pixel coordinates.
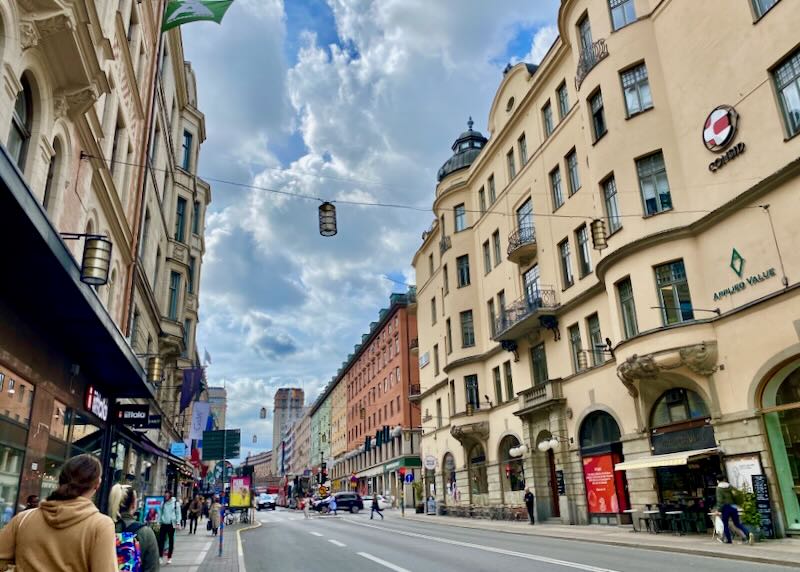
(465, 150)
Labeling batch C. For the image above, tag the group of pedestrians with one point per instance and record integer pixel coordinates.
(68, 532)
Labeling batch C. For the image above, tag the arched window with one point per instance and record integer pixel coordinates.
(511, 467)
(21, 124)
(478, 481)
(599, 428)
(49, 200)
(449, 477)
(677, 405)
(111, 287)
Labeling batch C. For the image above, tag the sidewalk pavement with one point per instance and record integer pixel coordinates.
(200, 552)
(785, 551)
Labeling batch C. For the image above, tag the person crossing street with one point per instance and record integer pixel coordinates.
(170, 517)
(376, 507)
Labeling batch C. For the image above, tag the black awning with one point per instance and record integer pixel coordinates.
(41, 281)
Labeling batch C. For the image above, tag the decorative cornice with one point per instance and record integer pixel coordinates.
(471, 431)
(472, 359)
(700, 358)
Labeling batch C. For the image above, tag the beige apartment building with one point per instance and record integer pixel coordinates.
(620, 364)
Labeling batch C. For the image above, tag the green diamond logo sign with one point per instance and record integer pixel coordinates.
(737, 263)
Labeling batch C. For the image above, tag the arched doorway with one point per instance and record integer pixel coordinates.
(449, 486)
(512, 471)
(781, 402)
(545, 478)
(680, 421)
(478, 479)
(601, 450)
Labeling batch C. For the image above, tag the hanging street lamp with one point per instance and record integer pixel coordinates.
(96, 257)
(599, 236)
(327, 219)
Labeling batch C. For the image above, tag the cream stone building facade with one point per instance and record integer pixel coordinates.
(628, 376)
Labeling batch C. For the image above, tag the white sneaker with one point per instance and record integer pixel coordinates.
(169, 560)
(160, 560)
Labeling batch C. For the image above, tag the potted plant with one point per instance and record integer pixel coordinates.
(418, 490)
(750, 516)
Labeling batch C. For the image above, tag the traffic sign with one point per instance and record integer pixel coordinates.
(410, 478)
(221, 444)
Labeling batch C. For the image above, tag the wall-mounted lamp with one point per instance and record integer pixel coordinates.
(548, 444)
(155, 369)
(96, 257)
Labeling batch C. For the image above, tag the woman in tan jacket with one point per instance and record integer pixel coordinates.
(66, 532)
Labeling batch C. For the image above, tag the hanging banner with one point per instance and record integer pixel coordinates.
(200, 412)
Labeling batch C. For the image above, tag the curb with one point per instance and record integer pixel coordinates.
(239, 549)
(673, 549)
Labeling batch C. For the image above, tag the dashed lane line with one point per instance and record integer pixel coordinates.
(337, 543)
(377, 560)
(315, 533)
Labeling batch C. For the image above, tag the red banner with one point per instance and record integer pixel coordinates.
(604, 491)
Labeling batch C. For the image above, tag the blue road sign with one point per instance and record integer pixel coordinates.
(409, 477)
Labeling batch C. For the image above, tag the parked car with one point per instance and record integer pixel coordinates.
(383, 502)
(344, 501)
(265, 502)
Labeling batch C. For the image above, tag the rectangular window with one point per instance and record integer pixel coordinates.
(460, 216)
(762, 6)
(471, 391)
(673, 292)
(449, 336)
(636, 86)
(555, 188)
(509, 381)
(492, 317)
(501, 304)
(174, 293)
(630, 326)
(653, 184)
(572, 171)
(180, 220)
(585, 36)
(430, 264)
(512, 167)
(575, 347)
(187, 328)
(566, 264)
(497, 252)
(190, 278)
(445, 284)
(523, 150)
(435, 359)
(787, 82)
(547, 119)
(134, 331)
(487, 258)
(623, 13)
(539, 363)
(433, 310)
(187, 151)
(145, 233)
(595, 339)
(492, 192)
(563, 100)
(482, 200)
(598, 115)
(462, 265)
(498, 385)
(584, 255)
(612, 208)
(467, 329)
(196, 218)
(438, 413)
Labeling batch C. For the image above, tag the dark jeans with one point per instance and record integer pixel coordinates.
(167, 531)
(530, 511)
(373, 511)
(193, 523)
(730, 512)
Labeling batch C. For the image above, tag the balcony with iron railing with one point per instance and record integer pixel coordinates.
(590, 57)
(540, 396)
(444, 244)
(534, 311)
(414, 392)
(522, 245)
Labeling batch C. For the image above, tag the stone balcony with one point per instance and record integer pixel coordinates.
(540, 396)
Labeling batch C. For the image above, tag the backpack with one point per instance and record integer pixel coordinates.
(129, 553)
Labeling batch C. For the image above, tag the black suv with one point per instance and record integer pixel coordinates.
(344, 501)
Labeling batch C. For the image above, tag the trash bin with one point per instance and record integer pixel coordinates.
(431, 505)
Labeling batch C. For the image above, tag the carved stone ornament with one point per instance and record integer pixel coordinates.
(78, 102)
(60, 107)
(700, 358)
(478, 430)
(54, 25)
(635, 368)
(28, 36)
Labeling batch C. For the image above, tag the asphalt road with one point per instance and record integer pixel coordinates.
(286, 542)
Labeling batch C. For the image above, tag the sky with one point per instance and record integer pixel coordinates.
(340, 100)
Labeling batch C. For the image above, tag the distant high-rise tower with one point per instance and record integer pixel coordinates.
(289, 403)
(218, 398)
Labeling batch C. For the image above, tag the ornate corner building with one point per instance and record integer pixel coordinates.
(608, 295)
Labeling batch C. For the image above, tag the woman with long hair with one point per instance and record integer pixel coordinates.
(66, 531)
(121, 504)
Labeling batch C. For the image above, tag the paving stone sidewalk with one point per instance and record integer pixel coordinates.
(200, 552)
(784, 551)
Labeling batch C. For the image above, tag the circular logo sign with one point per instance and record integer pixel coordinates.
(430, 463)
(720, 128)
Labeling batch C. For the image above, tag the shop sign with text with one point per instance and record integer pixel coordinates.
(96, 402)
(719, 132)
(737, 265)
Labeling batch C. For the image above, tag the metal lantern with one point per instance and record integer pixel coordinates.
(96, 260)
(327, 219)
(470, 409)
(263, 413)
(599, 236)
(583, 361)
(155, 369)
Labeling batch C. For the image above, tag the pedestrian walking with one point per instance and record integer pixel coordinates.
(726, 504)
(332, 505)
(376, 507)
(306, 507)
(215, 514)
(121, 506)
(184, 512)
(170, 517)
(528, 498)
(32, 502)
(195, 511)
(66, 531)
(207, 507)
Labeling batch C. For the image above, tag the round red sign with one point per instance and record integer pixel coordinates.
(720, 128)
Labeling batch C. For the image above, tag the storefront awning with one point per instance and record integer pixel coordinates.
(41, 282)
(668, 460)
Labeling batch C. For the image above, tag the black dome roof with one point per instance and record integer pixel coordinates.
(465, 150)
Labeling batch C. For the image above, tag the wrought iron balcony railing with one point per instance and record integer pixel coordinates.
(523, 236)
(529, 305)
(589, 58)
(444, 244)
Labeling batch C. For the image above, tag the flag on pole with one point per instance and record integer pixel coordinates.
(206, 357)
(200, 414)
(192, 378)
(180, 12)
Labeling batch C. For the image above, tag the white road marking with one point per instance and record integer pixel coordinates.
(315, 533)
(337, 543)
(534, 557)
(389, 565)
